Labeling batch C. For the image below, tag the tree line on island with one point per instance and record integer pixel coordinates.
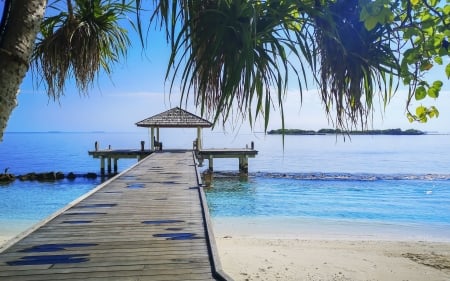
(338, 131)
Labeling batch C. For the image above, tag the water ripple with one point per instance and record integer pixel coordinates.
(340, 176)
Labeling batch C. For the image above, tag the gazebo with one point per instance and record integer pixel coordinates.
(174, 118)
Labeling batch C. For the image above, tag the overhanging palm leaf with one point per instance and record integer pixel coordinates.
(80, 42)
(353, 62)
(237, 53)
(233, 54)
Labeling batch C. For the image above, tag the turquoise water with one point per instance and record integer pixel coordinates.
(387, 179)
(37, 200)
(404, 201)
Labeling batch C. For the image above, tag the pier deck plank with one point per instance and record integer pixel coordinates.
(146, 224)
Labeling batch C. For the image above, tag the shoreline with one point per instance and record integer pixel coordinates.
(279, 227)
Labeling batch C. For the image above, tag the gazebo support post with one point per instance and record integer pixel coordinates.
(157, 134)
(152, 139)
(199, 138)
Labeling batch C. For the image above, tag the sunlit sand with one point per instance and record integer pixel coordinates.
(313, 252)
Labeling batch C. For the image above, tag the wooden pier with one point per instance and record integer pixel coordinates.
(111, 156)
(151, 222)
(241, 153)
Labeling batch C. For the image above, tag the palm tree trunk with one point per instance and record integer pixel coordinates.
(17, 40)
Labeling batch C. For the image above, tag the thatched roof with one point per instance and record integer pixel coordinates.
(175, 118)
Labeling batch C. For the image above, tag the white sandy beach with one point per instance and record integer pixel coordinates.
(284, 254)
(245, 258)
(3, 239)
(11, 228)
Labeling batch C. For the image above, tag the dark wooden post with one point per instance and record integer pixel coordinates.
(210, 162)
(102, 165)
(243, 165)
(208, 178)
(109, 165)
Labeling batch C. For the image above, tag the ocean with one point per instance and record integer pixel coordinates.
(396, 183)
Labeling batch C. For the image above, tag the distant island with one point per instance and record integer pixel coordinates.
(337, 131)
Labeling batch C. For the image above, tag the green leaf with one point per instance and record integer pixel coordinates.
(364, 14)
(385, 15)
(447, 10)
(437, 84)
(447, 70)
(415, 2)
(435, 111)
(438, 60)
(410, 56)
(433, 92)
(426, 65)
(420, 93)
(370, 23)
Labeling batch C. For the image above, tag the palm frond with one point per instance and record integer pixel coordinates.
(234, 54)
(353, 62)
(80, 43)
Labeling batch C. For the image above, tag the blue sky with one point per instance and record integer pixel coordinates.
(137, 90)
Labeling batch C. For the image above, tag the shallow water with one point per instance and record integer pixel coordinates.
(378, 200)
(395, 180)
